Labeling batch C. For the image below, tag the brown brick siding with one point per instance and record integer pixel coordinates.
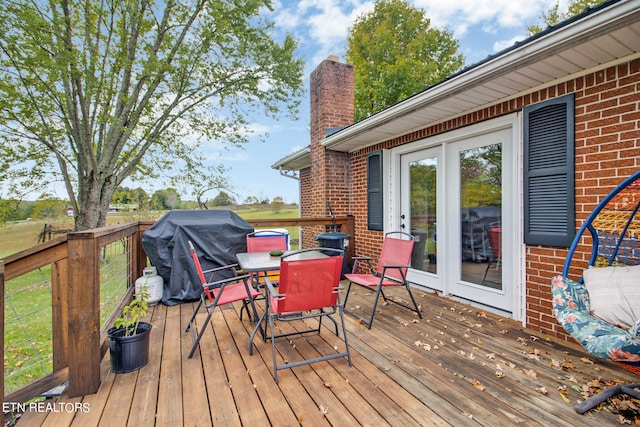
(607, 151)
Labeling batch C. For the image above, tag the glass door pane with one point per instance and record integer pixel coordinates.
(423, 211)
(481, 215)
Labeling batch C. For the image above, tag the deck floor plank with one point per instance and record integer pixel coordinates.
(468, 360)
(170, 407)
(331, 379)
(222, 406)
(278, 409)
(246, 399)
(145, 398)
(194, 392)
(394, 379)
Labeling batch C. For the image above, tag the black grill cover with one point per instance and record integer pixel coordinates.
(217, 236)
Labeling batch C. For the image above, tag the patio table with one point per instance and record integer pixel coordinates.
(259, 262)
(264, 262)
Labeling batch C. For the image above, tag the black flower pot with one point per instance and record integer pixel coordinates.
(129, 353)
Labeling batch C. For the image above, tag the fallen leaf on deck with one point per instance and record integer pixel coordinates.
(500, 374)
(530, 373)
(477, 384)
(542, 390)
(327, 385)
(587, 360)
(562, 395)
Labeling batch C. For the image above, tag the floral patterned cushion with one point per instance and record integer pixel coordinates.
(571, 306)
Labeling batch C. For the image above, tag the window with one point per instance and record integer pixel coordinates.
(374, 191)
(549, 160)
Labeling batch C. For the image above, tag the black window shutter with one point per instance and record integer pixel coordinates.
(549, 161)
(374, 191)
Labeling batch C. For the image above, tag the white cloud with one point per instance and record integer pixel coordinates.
(457, 15)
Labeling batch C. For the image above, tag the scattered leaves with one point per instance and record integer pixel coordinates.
(542, 390)
(477, 384)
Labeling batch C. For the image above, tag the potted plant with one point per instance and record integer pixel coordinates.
(129, 338)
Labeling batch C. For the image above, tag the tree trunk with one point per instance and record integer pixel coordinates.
(94, 196)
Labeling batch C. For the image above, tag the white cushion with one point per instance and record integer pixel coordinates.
(615, 294)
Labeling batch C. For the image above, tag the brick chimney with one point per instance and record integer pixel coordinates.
(327, 181)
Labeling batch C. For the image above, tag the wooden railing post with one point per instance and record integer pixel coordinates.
(60, 314)
(84, 314)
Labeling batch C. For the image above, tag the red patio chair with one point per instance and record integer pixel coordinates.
(267, 241)
(308, 289)
(395, 259)
(220, 292)
(494, 234)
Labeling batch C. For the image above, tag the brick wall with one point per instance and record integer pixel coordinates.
(328, 178)
(607, 151)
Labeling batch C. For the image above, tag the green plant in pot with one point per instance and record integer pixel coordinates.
(129, 338)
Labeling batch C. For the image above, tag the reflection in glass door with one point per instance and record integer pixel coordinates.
(422, 206)
(481, 215)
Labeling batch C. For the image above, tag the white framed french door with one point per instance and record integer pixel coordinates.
(421, 206)
(458, 195)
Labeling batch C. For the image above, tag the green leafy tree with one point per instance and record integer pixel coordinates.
(165, 199)
(552, 16)
(395, 53)
(89, 89)
(223, 199)
(126, 195)
(48, 208)
(277, 203)
(251, 200)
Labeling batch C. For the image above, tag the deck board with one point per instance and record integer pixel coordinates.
(456, 366)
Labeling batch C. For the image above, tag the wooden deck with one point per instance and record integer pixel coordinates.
(457, 366)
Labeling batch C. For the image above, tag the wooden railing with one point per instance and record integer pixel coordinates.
(78, 340)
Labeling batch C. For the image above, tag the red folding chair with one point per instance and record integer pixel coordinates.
(494, 235)
(267, 241)
(395, 259)
(220, 292)
(308, 289)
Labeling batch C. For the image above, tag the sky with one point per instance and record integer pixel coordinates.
(482, 28)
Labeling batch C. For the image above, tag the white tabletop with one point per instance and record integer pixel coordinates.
(252, 262)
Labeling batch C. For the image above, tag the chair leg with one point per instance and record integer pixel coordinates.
(356, 315)
(201, 331)
(484, 277)
(413, 300)
(272, 328)
(375, 305)
(344, 333)
(193, 316)
(257, 328)
(335, 324)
